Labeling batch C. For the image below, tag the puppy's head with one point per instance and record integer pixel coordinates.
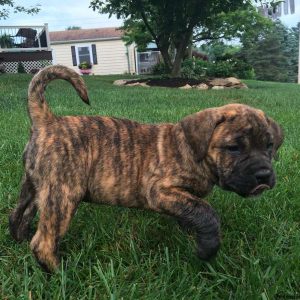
(238, 143)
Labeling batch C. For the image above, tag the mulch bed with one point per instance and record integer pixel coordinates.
(167, 82)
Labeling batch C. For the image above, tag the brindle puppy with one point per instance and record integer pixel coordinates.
(167, 168)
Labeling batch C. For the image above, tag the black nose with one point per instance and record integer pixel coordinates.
(263, 176)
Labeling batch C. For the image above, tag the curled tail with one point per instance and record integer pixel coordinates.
(39, 111)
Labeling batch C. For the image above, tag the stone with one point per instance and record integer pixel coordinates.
(144, 84)
(238, 86)
(133, 84)
(243, 86)
(218, 82)
(218, 87)
(233, 81)
(120, 82)
(185, 87)
(201, 86)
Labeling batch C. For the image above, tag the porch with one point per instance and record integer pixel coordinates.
(26, 45)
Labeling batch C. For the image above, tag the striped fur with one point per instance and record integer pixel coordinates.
(167, 168)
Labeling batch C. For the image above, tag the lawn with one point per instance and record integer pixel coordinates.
(118, 253)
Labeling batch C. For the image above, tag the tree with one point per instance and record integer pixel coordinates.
(291, 50)
(273, 53)
(6, 41)
(173, 24)
(73, 28)
(7, 5)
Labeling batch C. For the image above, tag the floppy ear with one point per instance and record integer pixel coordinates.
(278, 136)
(198, 129)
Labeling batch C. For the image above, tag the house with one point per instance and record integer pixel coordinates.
(101, 47)
(26, 45)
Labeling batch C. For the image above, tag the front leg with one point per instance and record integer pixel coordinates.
(193, 213)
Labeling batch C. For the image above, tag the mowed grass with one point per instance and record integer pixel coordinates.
(119, 253)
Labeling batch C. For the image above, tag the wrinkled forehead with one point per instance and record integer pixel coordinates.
(244, 122)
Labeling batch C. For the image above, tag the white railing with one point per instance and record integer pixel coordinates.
(24, 38)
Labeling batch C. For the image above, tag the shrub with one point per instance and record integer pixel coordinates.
(21, 68)
(194, 68)
(220, 69)
(160, 69)
(243, 70)
(200, 69)
(2, 69)
(188, 69)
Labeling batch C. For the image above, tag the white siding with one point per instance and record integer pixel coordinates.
(111, 55)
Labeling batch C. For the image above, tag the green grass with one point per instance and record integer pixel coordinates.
(118, 253)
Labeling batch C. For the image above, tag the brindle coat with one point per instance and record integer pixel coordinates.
(167, 168)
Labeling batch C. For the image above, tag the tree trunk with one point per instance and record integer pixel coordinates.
(180, 52)
(190, 48)
(166, 57)
(190, 51)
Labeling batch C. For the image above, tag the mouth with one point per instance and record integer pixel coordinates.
(259, 189)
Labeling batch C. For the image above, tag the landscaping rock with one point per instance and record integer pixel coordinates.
(218, 87)
(144, 84)
(134, 84)
(185, 87)
(243, 86)
(201, 86)
(185, 84)
(219, 82)
(120, 82)
(229, 82)
(233, 81)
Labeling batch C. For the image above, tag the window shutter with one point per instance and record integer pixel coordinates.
(94, 52)
(73, 55)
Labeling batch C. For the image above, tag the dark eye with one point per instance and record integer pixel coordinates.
(233, 149)
(270, 146)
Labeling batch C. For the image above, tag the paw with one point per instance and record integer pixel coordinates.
(208, 247)
(19, 231)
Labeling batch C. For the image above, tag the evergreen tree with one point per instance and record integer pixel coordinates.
(273, 54)
(291, 51)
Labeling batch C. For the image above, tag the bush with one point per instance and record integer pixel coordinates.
(2, 69)
(194, 68)
(188, 69)
(200, 69)
(21, 68)
(242, 69)
(160, 69)
(220, 69)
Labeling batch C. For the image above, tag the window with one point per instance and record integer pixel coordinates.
(144, 57)
(84, 53)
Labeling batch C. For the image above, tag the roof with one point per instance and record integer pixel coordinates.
(108, 33)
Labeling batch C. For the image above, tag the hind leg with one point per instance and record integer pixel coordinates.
(22, 215)
(56, 205)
